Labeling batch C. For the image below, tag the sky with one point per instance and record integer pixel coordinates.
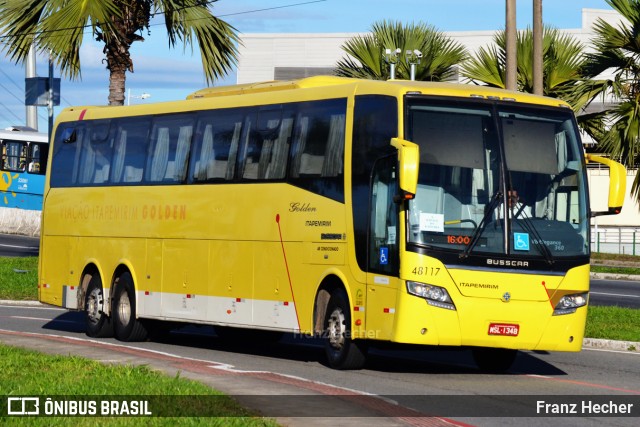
(171, 74)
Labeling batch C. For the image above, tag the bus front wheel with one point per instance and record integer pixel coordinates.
(494, 359)
(98, 323)
(126, 326)
(341, 350)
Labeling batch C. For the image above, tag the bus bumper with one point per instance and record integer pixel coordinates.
(471, 323)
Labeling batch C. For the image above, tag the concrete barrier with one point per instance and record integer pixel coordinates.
(20, 221)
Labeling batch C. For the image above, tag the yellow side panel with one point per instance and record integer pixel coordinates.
(184, 273)
(54, 269)
(150, 283)
(381, 306)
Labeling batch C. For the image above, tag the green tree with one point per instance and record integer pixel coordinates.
(612, 73)
(562, 62)
(58, 27)
(366, 53)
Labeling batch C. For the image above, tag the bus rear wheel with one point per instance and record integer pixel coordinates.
(98, 323)
(494, 359)
(341, 350)
(126, 326)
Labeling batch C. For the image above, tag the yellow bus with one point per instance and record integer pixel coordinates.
(362, 212)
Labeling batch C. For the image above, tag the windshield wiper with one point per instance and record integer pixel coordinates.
(495, 201)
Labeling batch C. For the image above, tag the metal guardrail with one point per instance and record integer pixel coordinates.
(616, 241)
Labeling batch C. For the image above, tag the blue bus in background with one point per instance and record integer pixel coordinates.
(23, 165)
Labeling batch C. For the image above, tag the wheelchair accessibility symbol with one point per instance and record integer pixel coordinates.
(521, 241)
(384, 256)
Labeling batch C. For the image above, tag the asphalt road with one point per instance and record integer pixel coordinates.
(414, 381)
(622, 293)
(12, 245)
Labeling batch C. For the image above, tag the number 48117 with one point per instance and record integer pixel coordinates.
(426, 271)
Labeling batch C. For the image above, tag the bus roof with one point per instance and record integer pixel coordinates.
(335, 86)
(19, 134)
(364, 85)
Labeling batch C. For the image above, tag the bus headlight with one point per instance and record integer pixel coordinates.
(569, 303)
(434, 295)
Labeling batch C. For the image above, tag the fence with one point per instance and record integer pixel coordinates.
(616, 240)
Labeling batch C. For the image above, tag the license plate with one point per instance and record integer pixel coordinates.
(506, 329)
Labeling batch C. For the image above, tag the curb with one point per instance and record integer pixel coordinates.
(27, 303)
(615, 276)
(626, 346)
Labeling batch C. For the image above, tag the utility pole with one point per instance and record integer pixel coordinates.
(50, 102)
(511, 81)
(30, 72)
(538, 87)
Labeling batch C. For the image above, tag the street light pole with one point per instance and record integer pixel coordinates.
(511, 81)
(538, 81)
(143, 96)
(50, 103)
(30, 72)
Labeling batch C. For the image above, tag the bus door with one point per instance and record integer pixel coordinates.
(383, 257)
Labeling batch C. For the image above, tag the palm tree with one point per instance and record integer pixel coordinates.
(562, 62)
(367, 52)
(616, 56)
(58, 26)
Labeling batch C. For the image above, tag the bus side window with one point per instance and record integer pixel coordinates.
(14, 156)
(277, 167)
(216, 145)
(317, 155)
(3, 159)
(319, 142)
(130, 150)
(66, 154)
(34, 159)
(96, 153)
(267, 146)
(169, 150)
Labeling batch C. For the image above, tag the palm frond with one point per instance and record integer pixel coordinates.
(562, 62)
(192, 23)
(487, 66)
(55, 27)
(366, 60)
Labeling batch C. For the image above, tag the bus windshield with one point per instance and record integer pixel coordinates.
(497, 178)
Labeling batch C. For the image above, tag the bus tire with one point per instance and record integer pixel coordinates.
(126, 326)
(494, 360)
(341, 350)
(98, 324)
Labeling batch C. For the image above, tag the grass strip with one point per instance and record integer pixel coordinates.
(600, 256)
(615, 270)
(30, 373)
(19, 278)
(614, 323)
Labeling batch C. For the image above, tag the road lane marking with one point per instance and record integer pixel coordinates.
(615, 295)
(18, 247)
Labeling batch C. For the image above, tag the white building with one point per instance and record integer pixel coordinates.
(282, 56)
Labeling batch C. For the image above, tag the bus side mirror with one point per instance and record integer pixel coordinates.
(69, 136)
(617, 184)
(408, 165)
